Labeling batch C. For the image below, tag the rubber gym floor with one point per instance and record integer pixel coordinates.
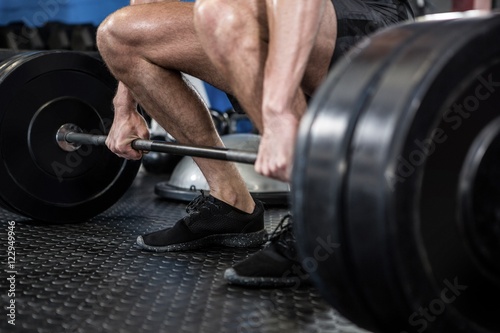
(91, 277)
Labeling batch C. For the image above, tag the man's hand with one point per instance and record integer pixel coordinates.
(127, 126)
(275, 157)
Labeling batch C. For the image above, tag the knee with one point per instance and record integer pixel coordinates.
(113, 34)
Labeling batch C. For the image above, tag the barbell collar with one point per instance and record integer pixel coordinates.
(240, 156)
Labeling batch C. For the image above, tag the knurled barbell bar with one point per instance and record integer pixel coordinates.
(396, 180)
(70, 138)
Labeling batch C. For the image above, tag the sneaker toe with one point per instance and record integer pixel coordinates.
(266, 268)
(140, 242)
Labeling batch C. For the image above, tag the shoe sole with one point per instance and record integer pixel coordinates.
(234, 278)
(229, 240)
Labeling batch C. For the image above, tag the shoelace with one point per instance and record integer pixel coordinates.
(200, 202)
(283, 236)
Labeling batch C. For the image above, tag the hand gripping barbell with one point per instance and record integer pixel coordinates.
(70, 138)
(396, 178)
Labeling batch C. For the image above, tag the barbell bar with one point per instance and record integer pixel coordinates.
(396, 191)
(75, 139)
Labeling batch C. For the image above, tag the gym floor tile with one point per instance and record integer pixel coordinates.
(91, 277)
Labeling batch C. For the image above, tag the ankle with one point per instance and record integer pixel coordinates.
(243, 202)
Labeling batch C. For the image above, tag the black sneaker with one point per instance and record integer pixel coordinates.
(277, 265)
(210, 222)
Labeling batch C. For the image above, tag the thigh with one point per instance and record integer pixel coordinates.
(163, 33)
(168, 38)
(321, 54)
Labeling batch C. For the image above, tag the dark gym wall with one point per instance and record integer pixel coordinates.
(38, 12)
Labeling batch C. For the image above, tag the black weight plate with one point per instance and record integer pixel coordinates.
(10, 62)
(402, 208)
(9, 59)
(321, 162)
(479, 198)
(40, 92)
(6, 54)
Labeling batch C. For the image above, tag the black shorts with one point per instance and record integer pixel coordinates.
(359, 18)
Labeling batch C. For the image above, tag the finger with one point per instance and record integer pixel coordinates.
(134, 157)
(133, 154)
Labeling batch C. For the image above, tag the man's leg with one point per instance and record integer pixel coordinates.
(278, 264)
(147, 47)
(235, 35)
(241, 57)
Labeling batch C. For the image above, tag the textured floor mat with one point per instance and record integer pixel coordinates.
(90, 277)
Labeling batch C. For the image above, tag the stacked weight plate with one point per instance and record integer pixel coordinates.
(396, 179)
(40, 92)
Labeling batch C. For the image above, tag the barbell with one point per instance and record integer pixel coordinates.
(70, 138)
(54, 172)
(396, 173)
